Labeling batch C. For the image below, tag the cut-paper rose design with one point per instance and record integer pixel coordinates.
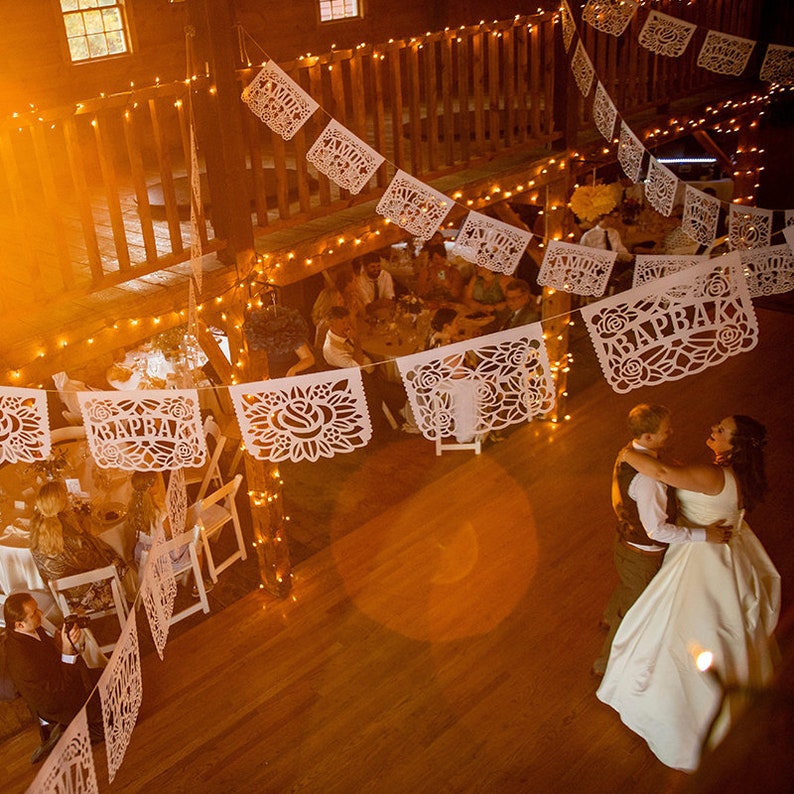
(749, 227)
(674, 326)
(305, 418)
(153, 430)
(661, 186)
(666, 35)
(490, 382)
(24, 425)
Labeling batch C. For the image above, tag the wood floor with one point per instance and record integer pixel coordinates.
(445, 644)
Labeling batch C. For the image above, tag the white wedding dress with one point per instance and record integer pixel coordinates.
(716, 597)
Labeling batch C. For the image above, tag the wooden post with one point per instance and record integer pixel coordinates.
(220, 128)
(556, 305)
(263, 478)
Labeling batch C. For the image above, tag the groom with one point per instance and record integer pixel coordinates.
(646, 510)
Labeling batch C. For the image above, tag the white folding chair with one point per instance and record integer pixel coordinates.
(61, 435)
(107, 574)
(212, 513)
(459, 398)
(210, 472)
(186, 564)
(67, 391)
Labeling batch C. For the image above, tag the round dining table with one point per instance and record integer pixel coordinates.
(105, 493)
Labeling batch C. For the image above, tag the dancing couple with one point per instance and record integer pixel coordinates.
(720, 596)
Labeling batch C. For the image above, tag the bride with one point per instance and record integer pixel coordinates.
(724, 598)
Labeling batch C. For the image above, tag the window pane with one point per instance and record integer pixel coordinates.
(78, 49)
(338, 9)
(93, 22)
(74, 25)
(95, 28)
(112, 19)
(97, 46)
(116, 43)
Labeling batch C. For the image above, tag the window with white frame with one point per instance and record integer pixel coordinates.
(331, 10)
(95, 28)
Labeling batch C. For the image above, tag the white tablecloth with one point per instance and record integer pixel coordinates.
(106, 490)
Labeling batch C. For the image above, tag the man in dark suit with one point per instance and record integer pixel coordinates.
(47, 671)
(520, 303)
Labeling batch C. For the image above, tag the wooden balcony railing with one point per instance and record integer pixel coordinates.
(95, 195)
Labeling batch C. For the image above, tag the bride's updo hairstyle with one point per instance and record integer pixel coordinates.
(747, 458)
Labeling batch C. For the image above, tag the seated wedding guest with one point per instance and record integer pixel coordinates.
(283, 335)
(48, 672)
(342, 349)
(340, 291)
(143, 511)
(485, 293)
(444, 329)
(374, 284)
(63, 546)
(521, 305)
(605, 237)
(439, 281)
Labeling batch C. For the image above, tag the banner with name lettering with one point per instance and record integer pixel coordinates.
(69, 768)
(674, 327)
(152, 430)
(121, 692)
(24, 425)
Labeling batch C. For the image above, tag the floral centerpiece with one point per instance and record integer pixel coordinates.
(589, 202)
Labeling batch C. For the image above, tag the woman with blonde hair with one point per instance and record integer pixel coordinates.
(62, 546)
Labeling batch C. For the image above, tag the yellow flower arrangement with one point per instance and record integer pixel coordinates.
(590, 201)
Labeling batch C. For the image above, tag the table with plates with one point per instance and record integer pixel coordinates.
(391, 335)
(149, 367)
(105, 493)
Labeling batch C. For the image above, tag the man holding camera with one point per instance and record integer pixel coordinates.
(48, 671)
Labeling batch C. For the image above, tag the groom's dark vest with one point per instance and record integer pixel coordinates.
(629, 525)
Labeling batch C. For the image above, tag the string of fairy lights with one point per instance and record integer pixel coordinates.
(270, 265)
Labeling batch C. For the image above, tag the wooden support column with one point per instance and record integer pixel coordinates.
(222, 141)
(263, 479)
(220, 128)
(556, 305)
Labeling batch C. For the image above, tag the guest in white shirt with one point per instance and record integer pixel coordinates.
(603, 236)
(342, 349)
(374, 284)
